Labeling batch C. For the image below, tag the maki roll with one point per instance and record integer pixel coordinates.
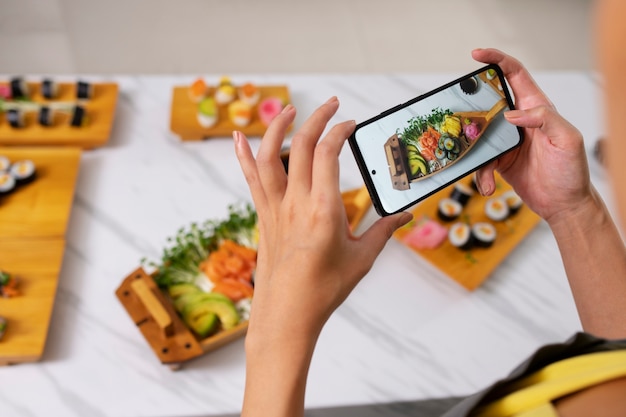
(461, 193)
(23, 171)
(483, 234)
(46, 116)
(207, 112)
(5, 163)
(15, 118)
(469, 85)
(460, 236)
(84, 90)
(79, 117)
(449, 209)
(513, 201)
(19, 88)
(7, 183)
(496, 209)
(49, 89)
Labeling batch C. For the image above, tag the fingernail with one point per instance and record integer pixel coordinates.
(236, 136)
(512, 114)
(287, 108)
(332, 100)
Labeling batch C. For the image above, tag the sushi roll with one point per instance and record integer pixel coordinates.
(449, 209)
(240, 113)
(49, 89)
(207, 112)
(7, 183)
(225, 92)
(496, 209)
(197, 90)
(15, 118)
(249, 94)
(469, 85)
(84, 90)
(483, 234)
(461, 193)
(46, 116)
(460, 236)
(513, 201)
(19, 88)
(23, 171)
(79, 117)
(5, 163)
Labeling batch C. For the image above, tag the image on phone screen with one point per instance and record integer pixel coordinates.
(409, 153)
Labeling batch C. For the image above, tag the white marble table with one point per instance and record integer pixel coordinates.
(406, 333)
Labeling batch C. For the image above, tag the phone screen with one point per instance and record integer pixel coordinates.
(411, 151)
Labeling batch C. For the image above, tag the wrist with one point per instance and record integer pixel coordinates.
(590, 215)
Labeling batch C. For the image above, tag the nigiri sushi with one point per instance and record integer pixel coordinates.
(197, 90)
(269, 108)
(250, 94)
(207, 112)
(225, 92)
(240, 113)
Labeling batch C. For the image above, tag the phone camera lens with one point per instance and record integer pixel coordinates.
(373, 172)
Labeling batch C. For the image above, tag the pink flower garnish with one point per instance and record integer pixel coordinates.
(5, 92)
(471, 131)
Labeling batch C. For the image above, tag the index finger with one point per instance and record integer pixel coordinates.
(522, 83)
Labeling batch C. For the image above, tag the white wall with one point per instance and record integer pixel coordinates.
(234, 36)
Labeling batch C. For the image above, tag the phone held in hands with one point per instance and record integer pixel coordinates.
(411, 151)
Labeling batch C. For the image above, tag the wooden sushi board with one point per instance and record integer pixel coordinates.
(184, 122)
(41, 208)
(36, 263)
(100, 114)
(153, 313)
(472, 268)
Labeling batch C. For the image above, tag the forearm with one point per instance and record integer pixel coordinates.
(594, 257)
(277, 365)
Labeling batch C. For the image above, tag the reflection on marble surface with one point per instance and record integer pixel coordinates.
(406, 333)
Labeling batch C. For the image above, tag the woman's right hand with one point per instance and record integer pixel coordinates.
(549, 170)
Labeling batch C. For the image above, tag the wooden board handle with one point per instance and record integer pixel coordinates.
(154, 307)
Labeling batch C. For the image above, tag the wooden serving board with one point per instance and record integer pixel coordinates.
(36, 263)
(184, 122)
(100, 114)
(153, 313)
(471, 268)
(40, 209)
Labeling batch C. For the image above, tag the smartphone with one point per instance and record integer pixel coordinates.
(413, 150)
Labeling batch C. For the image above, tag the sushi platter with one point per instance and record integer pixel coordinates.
(47, 113)
(41, 207)
(154, 315)
(36, 263)
(197, 115)
(466, 263)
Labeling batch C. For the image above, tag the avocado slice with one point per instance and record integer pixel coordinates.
(200, 304)
(178, 290)
(205, 324)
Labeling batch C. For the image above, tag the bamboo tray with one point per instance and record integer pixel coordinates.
(40, 209)
(37, 264)
(100, 114)
(184, 123)
(153, 313)
(472, 268)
